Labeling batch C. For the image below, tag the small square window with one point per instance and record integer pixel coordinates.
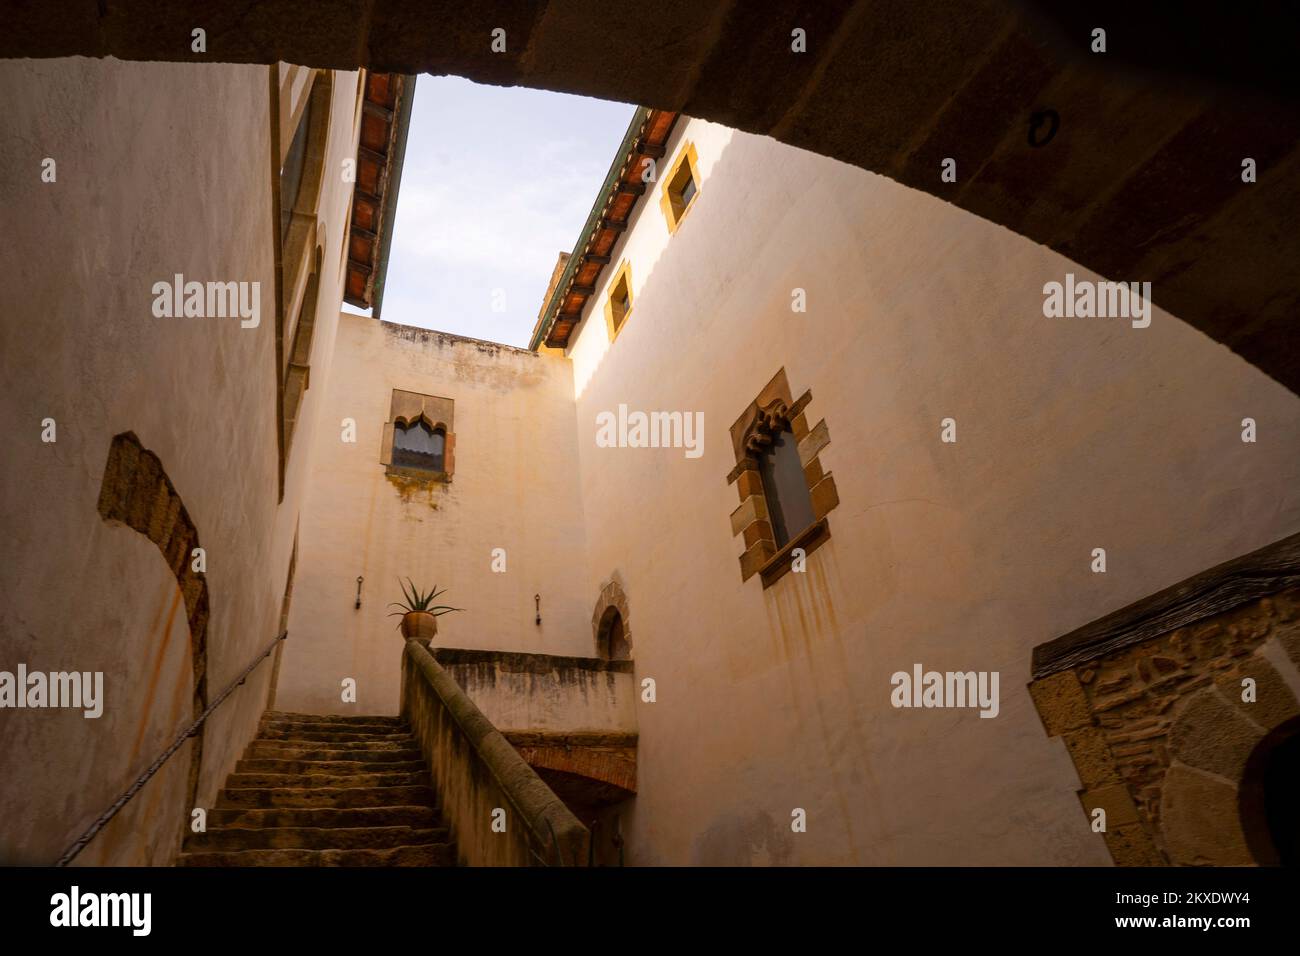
(687, 191)
(618, 304)
(681, 186)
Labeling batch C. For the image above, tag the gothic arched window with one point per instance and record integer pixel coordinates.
(420, 437)
(784, 493)
(789, 505)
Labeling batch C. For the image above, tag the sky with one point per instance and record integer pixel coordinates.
(496, 182)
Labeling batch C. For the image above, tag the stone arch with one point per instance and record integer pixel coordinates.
(137, 492)
(435, 424)
(612, 600)
(1208, 812)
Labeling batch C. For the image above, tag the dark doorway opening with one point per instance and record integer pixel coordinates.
(1270, 798)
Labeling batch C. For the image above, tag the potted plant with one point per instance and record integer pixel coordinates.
(419, 615)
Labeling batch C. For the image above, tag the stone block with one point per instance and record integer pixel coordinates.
(1091, 755)
(1211, 735)
(1115, 800)
(749, 483)
(759, 531)
(1061, 702)
(825, 497)
(753, 559)
(816, 440)
(1200, 821)
(753, 508)
(1274, 701)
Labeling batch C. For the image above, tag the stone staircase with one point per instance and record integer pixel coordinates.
(325, 791)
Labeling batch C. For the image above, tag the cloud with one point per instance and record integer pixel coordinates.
(496, 182)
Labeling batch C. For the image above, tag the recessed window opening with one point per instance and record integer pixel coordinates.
(784, 487)
(419, 445)
(613, 645)
(620, 300)
(681, 186)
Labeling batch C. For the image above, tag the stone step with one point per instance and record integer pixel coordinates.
(324, 790)
(282, 781)
(342, 750)
(389, 719)
(303, 736)
(433, 854)
(399, 815)
(313, 838)
(358, 765)
(254, 798)
(324, 727)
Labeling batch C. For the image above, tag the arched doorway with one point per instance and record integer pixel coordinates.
(1270, 796)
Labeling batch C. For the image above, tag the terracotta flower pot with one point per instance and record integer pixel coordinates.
(420, 625)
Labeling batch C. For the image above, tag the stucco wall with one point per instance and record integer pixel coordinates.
(545, 694)
(514, 487)
(1073, 434)
(161, 169)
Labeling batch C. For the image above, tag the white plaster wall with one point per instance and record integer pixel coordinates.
(1072, 435)
(162, 168)
(563, 699)
(514, 488)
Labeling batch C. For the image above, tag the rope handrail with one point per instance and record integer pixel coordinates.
(102, 821)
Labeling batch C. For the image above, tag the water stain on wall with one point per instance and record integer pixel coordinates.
(734, 840)
(159, 638)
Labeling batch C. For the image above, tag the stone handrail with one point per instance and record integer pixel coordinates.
(477, 772)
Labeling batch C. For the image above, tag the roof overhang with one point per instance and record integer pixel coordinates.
(646, 138)
(381, 150)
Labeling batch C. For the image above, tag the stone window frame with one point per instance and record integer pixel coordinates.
(623, 277)
(669, 196)
(775, 410)
(438, 412)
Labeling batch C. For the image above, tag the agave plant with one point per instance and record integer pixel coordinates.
(415, 601)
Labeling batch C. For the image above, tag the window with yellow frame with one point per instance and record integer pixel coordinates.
(680, 186)
(618, 301)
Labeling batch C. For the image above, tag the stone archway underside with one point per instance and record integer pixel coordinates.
(587, 770)
(1141, 182)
